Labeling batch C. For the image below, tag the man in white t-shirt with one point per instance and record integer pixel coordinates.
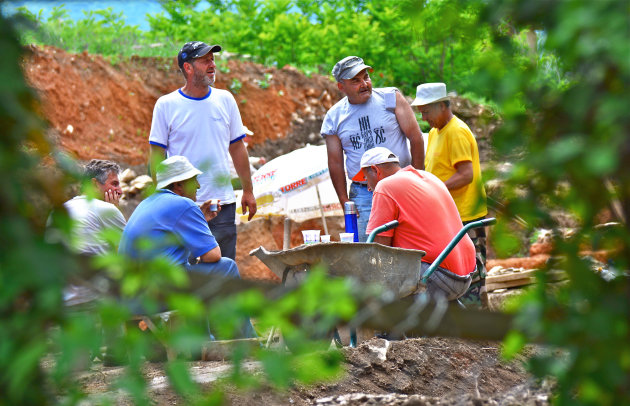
(364, 119)
(203, 124)
(92, 215)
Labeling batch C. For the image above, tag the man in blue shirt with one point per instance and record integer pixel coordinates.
(171, 224)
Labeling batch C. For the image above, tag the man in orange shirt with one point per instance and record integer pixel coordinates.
(428, 219)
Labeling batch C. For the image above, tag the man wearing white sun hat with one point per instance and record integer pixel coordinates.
(175, 226)
(452, 155)
(170, 224)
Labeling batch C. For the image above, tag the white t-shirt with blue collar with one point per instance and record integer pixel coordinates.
(201, 129)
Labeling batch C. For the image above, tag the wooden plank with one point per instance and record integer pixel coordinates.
(524, 278)
(511, 276)
(508, 284)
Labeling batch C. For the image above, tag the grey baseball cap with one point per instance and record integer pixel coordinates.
(349, 67)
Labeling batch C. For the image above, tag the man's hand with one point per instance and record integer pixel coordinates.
(248, 204)
(112, 196)
(205, 209)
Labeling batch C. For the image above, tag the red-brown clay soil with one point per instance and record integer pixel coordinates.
(99, 110)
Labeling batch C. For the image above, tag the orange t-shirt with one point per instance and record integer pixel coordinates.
(427, 215)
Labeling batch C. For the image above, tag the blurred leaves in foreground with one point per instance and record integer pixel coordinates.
(569, 115)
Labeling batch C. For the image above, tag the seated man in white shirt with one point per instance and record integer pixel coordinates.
(94, 214)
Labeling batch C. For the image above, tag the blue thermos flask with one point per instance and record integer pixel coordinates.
(350, 215)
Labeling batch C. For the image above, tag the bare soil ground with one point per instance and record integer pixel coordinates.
(422, 371)
(99, 110)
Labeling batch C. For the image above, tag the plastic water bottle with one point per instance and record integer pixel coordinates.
(350, 215)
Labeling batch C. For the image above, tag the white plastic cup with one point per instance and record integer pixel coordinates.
(346, 237)
(324, 238)
(214, 205)
(310, 236)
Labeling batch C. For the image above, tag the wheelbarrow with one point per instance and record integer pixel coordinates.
(396, 269)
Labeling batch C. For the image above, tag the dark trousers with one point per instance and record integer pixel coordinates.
(223, 228)
(476, 294)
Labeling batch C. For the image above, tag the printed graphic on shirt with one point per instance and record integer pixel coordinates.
(368, 137)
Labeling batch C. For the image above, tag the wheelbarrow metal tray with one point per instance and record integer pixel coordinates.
(396, 269)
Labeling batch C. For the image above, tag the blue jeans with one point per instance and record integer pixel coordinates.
(223, 228)
(362, 198)
(227, 268)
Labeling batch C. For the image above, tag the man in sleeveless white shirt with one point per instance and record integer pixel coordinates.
(203, 124)
(364, 119)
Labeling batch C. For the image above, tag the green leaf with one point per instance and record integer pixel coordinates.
(513, 343)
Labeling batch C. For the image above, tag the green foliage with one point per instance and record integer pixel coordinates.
(235, 85)
(407, 42)
(264, 83)
(101, 32)
(568, 111)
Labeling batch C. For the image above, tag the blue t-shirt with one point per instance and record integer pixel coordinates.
(166, 224)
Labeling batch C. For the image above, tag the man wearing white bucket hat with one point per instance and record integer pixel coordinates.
(176, 227)
(452, 155)
(364, 119)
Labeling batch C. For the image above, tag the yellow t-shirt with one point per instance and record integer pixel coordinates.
(452, 144)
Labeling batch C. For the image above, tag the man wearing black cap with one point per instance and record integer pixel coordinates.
(203, 124)
(364, 119)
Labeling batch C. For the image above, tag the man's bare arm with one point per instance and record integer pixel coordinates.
(240, 157)
(336, 167)
(214, 255)
(156, 155)
(409, 126)
(462, 177)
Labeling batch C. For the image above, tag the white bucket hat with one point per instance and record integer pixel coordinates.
(175, 169)
(428, 93)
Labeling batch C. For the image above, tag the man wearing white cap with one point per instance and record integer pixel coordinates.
(174, 225)
(364, 119)
(203, 124)
(452, 155)
(427, 217)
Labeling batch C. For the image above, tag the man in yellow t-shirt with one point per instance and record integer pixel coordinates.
(453, 157)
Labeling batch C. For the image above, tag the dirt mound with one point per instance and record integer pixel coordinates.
(99, 110)
(423, 371)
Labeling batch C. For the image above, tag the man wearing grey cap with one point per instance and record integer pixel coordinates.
(203, 124)
(364, 119)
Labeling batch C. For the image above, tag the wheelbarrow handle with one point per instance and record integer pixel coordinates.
(382, 229)
(454, 242)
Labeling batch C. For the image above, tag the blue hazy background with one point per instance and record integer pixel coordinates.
(134, 11)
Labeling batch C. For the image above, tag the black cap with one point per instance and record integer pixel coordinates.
(195, 49)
